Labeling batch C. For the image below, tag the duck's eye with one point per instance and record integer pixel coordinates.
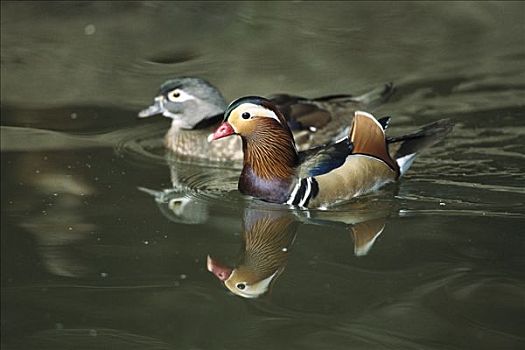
(241, 286)
(246, 115)
(174, 95)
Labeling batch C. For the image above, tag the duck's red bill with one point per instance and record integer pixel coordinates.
(225, 129)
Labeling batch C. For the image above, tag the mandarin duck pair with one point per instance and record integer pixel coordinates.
(362, 160)
(197, 108)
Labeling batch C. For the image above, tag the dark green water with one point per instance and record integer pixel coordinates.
(89, 261)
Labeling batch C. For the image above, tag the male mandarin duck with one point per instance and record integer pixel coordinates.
(360, 163)
(196, 108)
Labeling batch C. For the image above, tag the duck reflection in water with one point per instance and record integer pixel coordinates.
(178, 207)
(267, 240)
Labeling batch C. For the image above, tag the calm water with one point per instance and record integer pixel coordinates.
(105, 241)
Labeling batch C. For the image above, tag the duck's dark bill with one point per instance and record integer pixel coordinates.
(155, 108)
(225, 129)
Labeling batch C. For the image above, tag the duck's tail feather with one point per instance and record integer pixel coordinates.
(404, 148)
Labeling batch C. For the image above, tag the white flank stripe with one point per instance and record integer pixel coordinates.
(307, 191)
(294, 193)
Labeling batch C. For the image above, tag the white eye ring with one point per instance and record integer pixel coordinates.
(178, 95)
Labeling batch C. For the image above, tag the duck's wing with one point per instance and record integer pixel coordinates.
(312, 123)
(368, 100)
(385, 122)
(426, 136)
(301, 113)
(369, 139)
(325, 119)
(322, 159)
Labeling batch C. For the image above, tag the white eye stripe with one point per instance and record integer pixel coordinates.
(178, 95)
(256, 110)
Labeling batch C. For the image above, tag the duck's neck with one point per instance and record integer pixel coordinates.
(199, 115)
(270, 164)
(207, 124)
(210, 122)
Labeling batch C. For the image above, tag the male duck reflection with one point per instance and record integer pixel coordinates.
(267, 240)
(360, 163)
(197, 108)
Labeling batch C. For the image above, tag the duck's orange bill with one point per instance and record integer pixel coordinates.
(225, 129)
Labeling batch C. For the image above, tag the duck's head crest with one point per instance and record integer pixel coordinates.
(251, 114)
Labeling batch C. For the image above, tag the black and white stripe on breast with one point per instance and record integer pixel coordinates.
(305, 189)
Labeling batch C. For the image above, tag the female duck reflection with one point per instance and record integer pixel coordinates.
(267, 239)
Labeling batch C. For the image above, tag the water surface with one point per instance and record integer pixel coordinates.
(105, 240)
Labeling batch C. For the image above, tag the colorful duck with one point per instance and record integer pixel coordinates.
(363, 161)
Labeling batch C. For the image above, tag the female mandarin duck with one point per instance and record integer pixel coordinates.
(197, 108)
(360, 163)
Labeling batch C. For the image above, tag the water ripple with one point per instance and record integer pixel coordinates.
(460, 212)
